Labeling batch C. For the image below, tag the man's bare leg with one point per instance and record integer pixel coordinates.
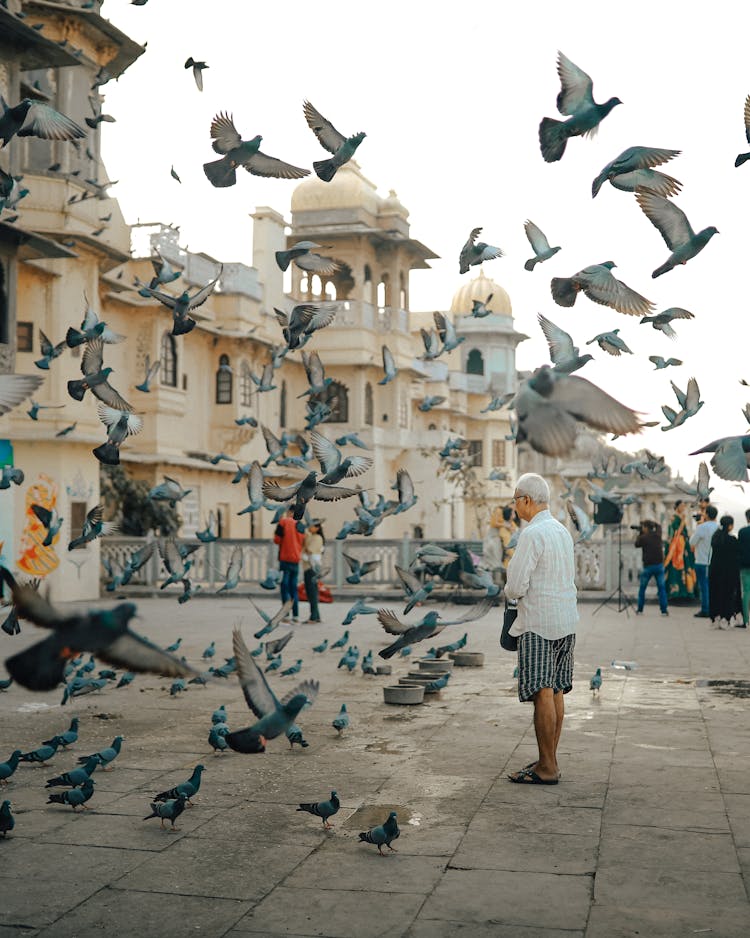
(559, 699)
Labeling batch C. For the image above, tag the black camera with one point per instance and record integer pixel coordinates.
(635, 527)
(697, 517)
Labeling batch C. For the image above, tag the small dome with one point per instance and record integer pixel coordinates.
(349, 188)
(393, 206)
(479, 289)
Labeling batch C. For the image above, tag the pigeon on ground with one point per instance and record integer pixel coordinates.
(293, 669)
(731, 458)
(383, 834)
(611, 343)
(7, 821)
(75, 776)
(217, 741)
(689, 401)
(550, 406)
(177, 687)
(103, 632)
(596, 682)
(31, 118)
(246, 153)
(341, 721)
(294, 735)
(70, 736)
(660, 362)
(349, 659)
(169, 491)
(634, 168)
(575, 101)
(49, 351)
(661, 321)
(319, 649)
(181, 305)
(197, 68)
(168, 811)
(271, 580)
(41, 754)
(274, 716)
(75, 797)
(302, 253)
(96, 378)
(4, 685)
(539, 245)
(106, 756)
(600, 286)
(744, 157)
(151, 372)
(189, 789)
(343, 148)
(341, 642)
(563, 354)
(430, 625)
(8, 767)
(476, 252)
(672, 224)
(323, 809)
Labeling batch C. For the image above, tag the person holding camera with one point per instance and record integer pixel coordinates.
(701, 544)
(649, 540)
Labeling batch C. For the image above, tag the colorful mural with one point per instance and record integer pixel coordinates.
(34, 558)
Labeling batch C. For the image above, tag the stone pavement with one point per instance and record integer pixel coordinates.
(647, 834)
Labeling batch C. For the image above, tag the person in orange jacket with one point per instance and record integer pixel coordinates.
(289, 536)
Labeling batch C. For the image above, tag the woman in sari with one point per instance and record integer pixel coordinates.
(724, 575)
(679, 563)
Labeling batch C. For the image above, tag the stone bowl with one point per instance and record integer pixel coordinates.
(468, 659)
(383, 669)
(424, 677)
(403, 694)
(435, 664)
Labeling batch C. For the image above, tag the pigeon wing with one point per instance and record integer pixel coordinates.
(278, 644)
(746, 115)
(405, 486)
(680, 395)
(16, 388)
(322, 317)
(45, 122)
(729, 461)
(106, 393)
(170, 555)
(259, 164)
(588, 403)
(327, 453)
(224, 133)
(577, 87)
(92, 359)
(410, 582)
(31, 605)
(203, 294)
(327, 135)
(258, 695)
(279, 493)
(669, 220)
(358, 465)
(135, 653)
(255, 483)
(389, 363)
(474, 612)
(537, 238)
(332, 493)
(315, 264)
(390, 622)
(561, 348)
(235, 563)
(703, 481)
(603, 288)
(308, 688)
(273, 443)
(152, 370)
(693, 395)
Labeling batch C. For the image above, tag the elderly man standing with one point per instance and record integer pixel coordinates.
(541, 577)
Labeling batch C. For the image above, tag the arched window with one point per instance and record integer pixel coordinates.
(224, 381)
(282, 405)
(246, 385)
(329, 291)
(367, 292)
(403, 299)
(316, 286)
(383, 292)
(337, 397)
(168, 370)
(369, 408)
(474, 362)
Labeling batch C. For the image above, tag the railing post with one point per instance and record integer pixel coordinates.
(405, 559)
(338, 560)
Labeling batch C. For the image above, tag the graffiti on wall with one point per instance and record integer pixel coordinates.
(34, 558)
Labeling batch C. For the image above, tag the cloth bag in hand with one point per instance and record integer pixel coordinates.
(507, 641)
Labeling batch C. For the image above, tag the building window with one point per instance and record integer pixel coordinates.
(336, 396)
(246, 385)
(403, 411)
(282, 405)
(509, 452)
(474, 362)
(25, 336)
(224, 381)
(498, 452)
(474, 452)
(77, 518)
(369, 408)
(168, 370)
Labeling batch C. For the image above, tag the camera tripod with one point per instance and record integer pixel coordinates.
(618, 595)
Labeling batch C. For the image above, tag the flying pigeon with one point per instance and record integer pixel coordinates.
(539, 245)
(661, 321)
(96, 378)
(360, 608)
(272, 622)
(689, 401)
(303, 491)
(33, 119)
(332, 462)
(246, 153)
(16, 388)
(430, 625)
(564, 355)
(581, 522)
(660, 362)
(479, 308)
(51, 520)
(476, 252)
(169, 491)
(302, 253)
(92, 328)
(672, 224)
(575, 101)
(701, 489)
(634, 168)
(611, 343)
(600, 286)
(93, 527)
(234, 570)
(359, 568)
(49, 351)
(197, 71)
(343, 148)
(731, 457)
(274, 716)
(744, 157)
(151, 373)
(35, 408)
(183, 304)
(120, 425)
(389, 366)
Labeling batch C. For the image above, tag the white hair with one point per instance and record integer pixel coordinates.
(534, 486)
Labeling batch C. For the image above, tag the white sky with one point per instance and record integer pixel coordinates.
(451, 98)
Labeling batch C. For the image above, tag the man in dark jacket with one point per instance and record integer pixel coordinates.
(743, 536)
(649, 540)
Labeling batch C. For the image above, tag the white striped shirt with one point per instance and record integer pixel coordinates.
(541, 576)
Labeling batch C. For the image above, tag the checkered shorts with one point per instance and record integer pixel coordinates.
(544, 662)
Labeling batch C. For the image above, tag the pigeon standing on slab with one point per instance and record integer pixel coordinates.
(634, 168)
(744, 157)
(600, 286)
(76, 776)
(672, 224)
(8, 767)
(189, 789)
(7, 821)
(539, 245)
(106, 756)
(323, 809)
(246, 153)
(168, 811)
(341, 721)
(596, 682)
(343, 148)
(576, 101)
(476, 252)
(382, 835)
(197, 68)
(75, 797)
